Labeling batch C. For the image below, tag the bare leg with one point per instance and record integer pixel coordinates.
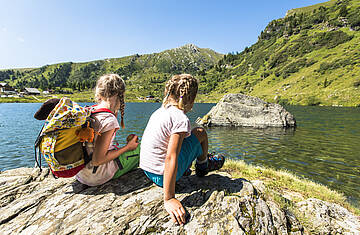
(201, 135)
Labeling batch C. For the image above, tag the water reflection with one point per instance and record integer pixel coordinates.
(324, 147)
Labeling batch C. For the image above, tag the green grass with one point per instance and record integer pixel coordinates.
(296, 61)
(26, 99)
(279, 182)
(144, 74)
(300, 59)
(305, 86)
(86, 96)
(311, 8)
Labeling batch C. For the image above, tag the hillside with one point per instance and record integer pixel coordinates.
(309, 57)
(144, 74)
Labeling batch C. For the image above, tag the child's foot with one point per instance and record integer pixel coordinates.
(214, 162)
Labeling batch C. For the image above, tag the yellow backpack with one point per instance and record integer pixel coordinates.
(63, 138)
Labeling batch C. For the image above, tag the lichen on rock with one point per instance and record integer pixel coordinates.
(36, 203)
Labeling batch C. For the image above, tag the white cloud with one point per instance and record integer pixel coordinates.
(20, 39)
(11, 35)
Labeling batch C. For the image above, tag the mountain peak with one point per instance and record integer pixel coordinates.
(190, 46)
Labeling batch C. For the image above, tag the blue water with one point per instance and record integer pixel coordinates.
(324, 147)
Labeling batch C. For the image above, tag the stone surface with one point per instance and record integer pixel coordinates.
(35, 203)
(247, 111)
(329, 218)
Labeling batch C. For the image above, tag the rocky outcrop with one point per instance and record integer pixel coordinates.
(247, 111)
(35, 203)
(329, 218)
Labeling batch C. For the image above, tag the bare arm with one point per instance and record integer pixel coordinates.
(172, 205)
(101, 153)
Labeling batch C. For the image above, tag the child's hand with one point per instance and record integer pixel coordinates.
(132, 144)
(129, 137)
(175, 210)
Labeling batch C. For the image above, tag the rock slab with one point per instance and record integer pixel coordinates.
(33, 202)
(247, 111)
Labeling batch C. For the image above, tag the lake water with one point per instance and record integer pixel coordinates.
(325, 146)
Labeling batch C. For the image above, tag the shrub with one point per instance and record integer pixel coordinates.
(265, 74)
(312, 101)
(282, 101)
(326, 83)
(331, 39)
(339, 63)
(278, 59)
(343, 11)
(296, 66)
(336, 23)
(354, 19)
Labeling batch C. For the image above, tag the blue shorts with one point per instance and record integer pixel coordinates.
(190, 150)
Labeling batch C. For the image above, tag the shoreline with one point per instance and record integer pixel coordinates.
(83, 97)
(256, 198)
(292, 187)
(25, 100)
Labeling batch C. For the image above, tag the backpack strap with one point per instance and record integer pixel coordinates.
(37, 146)
(99, 110)
(87, 157)
(104, 110)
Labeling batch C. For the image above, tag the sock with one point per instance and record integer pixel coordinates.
(202, 165)
(201, 162)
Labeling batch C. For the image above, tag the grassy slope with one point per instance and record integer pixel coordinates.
(308, 83)
(144, 74)
(310, 8)
(83, 96)
(330, 75)
(336, 85)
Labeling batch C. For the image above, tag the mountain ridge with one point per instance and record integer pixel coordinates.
(142, 73)
(309, 57)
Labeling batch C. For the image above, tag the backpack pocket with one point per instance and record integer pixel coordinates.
(69, 159)
(70, 155)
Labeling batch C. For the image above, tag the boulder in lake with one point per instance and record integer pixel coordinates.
(247, 111)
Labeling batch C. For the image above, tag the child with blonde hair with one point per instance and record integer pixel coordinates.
(169, 146)
(109, 94)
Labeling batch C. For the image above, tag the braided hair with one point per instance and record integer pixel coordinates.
(182, 89)
(110, 85)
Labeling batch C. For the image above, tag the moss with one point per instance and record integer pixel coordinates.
(278, 181)
(157, 229)
(205, 119)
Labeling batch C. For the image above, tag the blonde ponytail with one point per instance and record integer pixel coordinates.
(110, 85)
(182, 89)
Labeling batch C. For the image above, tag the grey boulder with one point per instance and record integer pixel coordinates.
(247, 111)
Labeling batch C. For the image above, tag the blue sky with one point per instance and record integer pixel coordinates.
(38, 32)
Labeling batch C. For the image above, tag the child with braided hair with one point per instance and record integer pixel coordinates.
(169, 146)
(109, 94)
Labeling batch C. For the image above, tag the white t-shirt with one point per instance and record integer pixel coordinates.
(154, 143)
(103, 122)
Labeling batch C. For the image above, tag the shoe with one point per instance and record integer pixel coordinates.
(214, 162)
(187, 172)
